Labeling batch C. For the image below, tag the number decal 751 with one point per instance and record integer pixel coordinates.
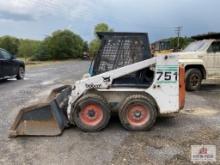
(167, 76)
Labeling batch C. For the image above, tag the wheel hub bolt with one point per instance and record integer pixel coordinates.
(137, 114)
(91, 113)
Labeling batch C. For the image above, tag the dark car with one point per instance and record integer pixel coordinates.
(10, 67)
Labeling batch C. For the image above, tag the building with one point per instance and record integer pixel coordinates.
(164, 44)
(210, 35)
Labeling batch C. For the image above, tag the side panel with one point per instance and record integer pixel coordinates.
(9, 68)
(15, 67)
(4, 68)
(8, 65)
(165, 88)
(213, 60)
(209, 61)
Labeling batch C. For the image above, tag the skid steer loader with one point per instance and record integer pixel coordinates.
(124, 77)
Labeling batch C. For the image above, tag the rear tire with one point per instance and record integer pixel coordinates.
(21, 73)
(137, 113)
(193, 79)
(91, 113)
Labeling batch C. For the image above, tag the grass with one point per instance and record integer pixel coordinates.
(31, 64)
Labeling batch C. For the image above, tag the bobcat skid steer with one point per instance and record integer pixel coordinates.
(123, 78)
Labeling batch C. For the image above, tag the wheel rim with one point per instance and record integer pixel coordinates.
(91, 114)
(194, 80)
(137, 115)
(21, 72)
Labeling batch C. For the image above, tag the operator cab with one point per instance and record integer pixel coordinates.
(120, 49)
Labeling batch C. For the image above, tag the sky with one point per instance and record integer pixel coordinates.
(36, 19)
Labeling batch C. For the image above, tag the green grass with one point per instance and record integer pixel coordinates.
(31, 64)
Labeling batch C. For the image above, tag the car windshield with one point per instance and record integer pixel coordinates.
(196, 46)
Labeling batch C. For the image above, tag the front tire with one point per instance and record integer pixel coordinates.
(21, 73)
(137, 113)
(193, 79)
(91, 113)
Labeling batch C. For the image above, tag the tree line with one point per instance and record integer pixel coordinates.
(63, 44)
(60, 45)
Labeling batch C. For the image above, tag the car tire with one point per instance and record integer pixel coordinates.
(21, 73)
(193, 79)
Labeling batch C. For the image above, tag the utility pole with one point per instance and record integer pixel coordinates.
(178, 30)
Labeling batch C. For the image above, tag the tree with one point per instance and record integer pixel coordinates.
(102, 27)
(94, 47)
(65, 44)
(42, 52)
(27, 48)
(184, 41)
(85, 46)
(10, 44)
(62, 44)
(95, 43)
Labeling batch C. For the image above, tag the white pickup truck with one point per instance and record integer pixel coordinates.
(202, 61)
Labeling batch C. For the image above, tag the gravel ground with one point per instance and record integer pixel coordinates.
(167, 143)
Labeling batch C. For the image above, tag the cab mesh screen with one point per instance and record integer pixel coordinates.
(119, 50)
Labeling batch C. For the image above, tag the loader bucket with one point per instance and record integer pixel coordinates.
(43, 119)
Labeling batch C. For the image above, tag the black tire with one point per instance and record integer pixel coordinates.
(80, 109)
(193, 79)
(142, 101)
(21, 73)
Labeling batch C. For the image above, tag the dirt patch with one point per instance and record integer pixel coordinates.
(199, 111)
(202, 136)
(146, 148)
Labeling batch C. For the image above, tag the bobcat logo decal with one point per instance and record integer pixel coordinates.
(106, 79)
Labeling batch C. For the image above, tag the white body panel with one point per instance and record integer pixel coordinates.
(164, 89)
(213, 65)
